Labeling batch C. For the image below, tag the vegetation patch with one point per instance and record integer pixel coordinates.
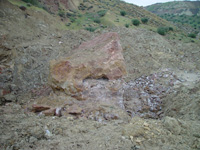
(123, 13)
(164, 30)
(127, 25)
(33, 2)
(193, 21)
(102, 13)
(97, 20)
(144, 20)
(135, 22)
(91, 29)
(192, 35)
(61, 13)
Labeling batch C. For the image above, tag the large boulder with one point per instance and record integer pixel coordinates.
(100, 58)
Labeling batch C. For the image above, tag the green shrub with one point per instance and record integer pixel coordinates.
(68, 14)
(97, 20)
(102, 13)
(127, 25)
(68, 24)
(162, 30)
(91, 29)
(171, 29)
(136, 22)
(72, 19)
(61, 13)
(192, 35)
(144, 20)
(80, 15)
(33, 2)
(123, 13)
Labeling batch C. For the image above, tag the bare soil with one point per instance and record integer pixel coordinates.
(29, 43)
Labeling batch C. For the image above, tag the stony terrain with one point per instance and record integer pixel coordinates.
(154, 106)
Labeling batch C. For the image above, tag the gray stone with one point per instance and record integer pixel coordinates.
(10, 98)
(172, 125)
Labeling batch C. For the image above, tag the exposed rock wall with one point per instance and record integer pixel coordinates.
(99, 58)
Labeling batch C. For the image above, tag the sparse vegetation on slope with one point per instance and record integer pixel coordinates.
(183, 14)
(135, 22)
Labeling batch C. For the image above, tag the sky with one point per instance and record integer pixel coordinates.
(146, 2)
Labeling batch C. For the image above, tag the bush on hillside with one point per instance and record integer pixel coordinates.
(136, 22)
(91, 29)
(97, 20)
(127, 25)
(192, 35)
(61, 13)
(171, 29)
(123, 13)
(102, 13)
(144, 20)
(72, 19)
(33, 2)
(162, 30)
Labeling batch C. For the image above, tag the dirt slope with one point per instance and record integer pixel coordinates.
(31, 38)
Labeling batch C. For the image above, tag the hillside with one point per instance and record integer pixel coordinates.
(185, 14)
(63, 86)
(96, 14)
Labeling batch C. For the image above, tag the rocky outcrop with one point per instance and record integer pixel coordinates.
(99, 58)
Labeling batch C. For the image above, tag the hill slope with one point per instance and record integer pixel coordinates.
(158, 69)
(98, 14)
(185, 14)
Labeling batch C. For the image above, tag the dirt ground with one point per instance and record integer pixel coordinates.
(28, 44)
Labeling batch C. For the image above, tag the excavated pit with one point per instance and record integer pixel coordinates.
(104, 99)
(142, 97)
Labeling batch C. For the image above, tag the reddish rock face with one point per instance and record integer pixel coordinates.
(99, 58)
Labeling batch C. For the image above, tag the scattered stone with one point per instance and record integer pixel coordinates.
(172, 125)
(74, 110)
(49, 112)
(143, 97)
(110, 117)
(58, 112)
(23, 8)
(39, 108)
(48, 134)
(10, 98)
(32, 139)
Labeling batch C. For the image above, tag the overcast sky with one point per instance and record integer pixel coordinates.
(146, 2)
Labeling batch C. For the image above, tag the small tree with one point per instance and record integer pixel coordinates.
(123, 13)
(144, 20)
(136, 22)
